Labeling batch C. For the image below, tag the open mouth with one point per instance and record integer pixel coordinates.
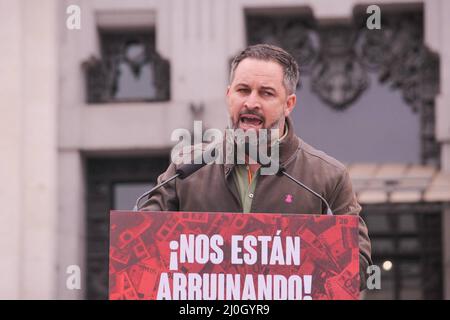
(247, 121)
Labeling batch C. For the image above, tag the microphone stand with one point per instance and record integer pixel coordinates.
(182, 172)
(137, 207)
(282, 171)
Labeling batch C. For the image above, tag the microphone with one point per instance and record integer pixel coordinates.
(182, 172)
(282, 171)
(137, 207)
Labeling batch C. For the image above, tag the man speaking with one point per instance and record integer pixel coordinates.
(261, 96)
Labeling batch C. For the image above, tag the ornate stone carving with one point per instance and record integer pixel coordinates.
(338, 58)
(338, 76)
(398, 53)
(293, 34)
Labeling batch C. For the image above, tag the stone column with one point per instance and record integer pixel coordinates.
(29, 144)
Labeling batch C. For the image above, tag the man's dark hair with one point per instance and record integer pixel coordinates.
(268, 52)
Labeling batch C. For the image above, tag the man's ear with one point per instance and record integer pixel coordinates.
(227, 96)
(290, 104)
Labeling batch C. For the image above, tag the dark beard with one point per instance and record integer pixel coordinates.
(273, 125)
(246, 146)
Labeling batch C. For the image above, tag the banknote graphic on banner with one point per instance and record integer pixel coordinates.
(232, 256)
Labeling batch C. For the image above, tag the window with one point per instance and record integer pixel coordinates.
(406, 245)
(112, 183)
(130, 69)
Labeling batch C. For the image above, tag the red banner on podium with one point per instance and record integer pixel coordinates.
(232, 256)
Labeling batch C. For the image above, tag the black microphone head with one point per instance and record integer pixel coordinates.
(187, 169)
(281, 169)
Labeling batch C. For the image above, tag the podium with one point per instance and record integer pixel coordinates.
(232, 256)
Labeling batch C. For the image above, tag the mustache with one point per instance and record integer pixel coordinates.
(252, 112)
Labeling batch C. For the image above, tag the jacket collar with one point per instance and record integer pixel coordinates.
(287, 146)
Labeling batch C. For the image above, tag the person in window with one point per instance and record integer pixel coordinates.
(135, 79)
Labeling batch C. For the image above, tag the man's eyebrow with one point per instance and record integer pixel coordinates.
(241, 84)
(268, 88)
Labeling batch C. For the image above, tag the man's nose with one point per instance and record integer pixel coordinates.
(252, 101)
